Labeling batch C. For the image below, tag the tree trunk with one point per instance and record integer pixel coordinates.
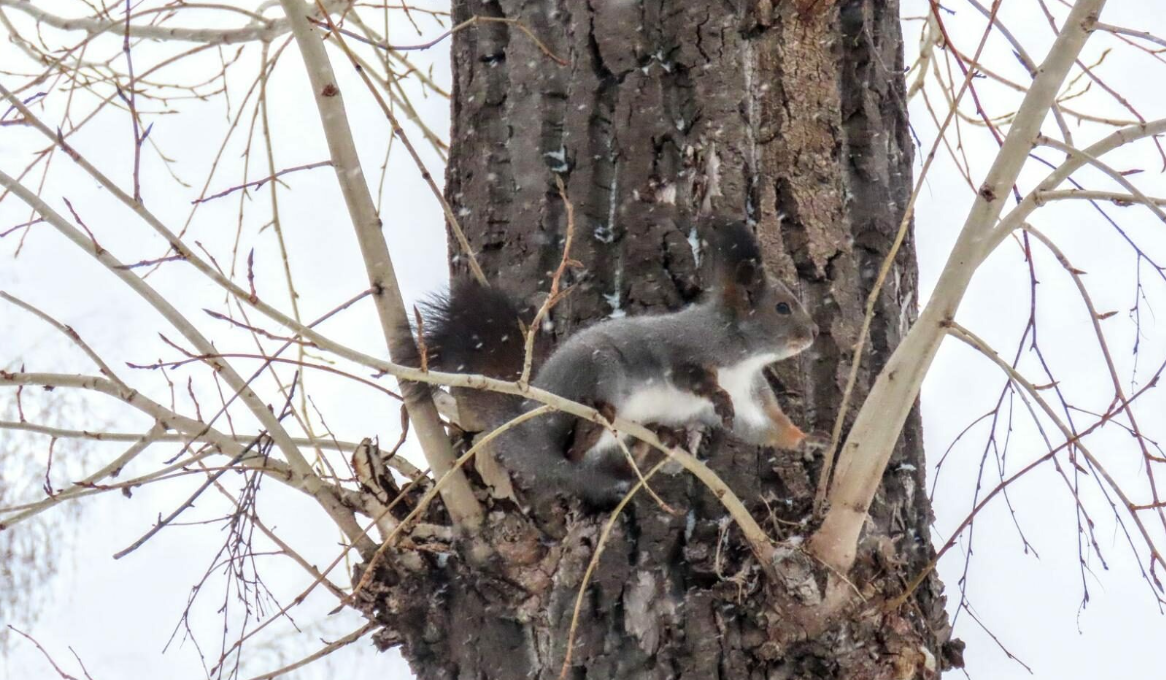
(794, 115)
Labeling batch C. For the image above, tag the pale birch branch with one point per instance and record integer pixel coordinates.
(399, 464)
(1016, 217)
(1114, 197)
(458, 496)
(191, 429)
(265, 30)
(454, 225)
(876, 429)
(1133, 33)
(1112, 173)
(888, 262)
(111, 468)
(69, 333)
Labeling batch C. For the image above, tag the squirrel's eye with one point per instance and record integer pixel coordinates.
(783, 308)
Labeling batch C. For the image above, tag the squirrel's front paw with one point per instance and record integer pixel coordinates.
(723, 406)
(814, 443)
(668, 436)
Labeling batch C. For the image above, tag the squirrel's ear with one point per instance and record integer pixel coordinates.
(748, 274)
(740, 286)
(740, 275)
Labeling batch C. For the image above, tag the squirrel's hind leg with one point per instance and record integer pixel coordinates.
(600, 482)
(586, 433)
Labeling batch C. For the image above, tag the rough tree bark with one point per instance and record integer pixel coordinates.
(792, 113)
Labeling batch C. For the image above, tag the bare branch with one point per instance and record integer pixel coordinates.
(283, 440)
(888, 262)
(1114, 197)
(69, 333)
(553, 295)
(399, 132)
(47, 656)
(872, 437)
(111, 469)
(458, 497)
(976, 342)
(402, 466)
(1076, 160)
(189, 502)
(260, 182)
(267, 30)
(321, 653)
(1121, 30)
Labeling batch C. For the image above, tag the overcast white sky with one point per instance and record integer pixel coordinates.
(117, 615)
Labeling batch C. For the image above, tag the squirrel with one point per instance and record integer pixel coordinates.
(700, 365)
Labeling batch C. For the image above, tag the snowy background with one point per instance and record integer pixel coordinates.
(117, 615)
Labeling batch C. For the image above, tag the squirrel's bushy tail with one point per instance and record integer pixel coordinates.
(474, 329)
(480, 330)
(471, 329)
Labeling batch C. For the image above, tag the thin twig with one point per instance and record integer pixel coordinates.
(472, 21)
(595, 555)
(260, 182)
(554, 294)
(47, 656)
(322, 652)
(189, 502)
(131, 102)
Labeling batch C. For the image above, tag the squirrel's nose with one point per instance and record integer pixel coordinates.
(814, 330)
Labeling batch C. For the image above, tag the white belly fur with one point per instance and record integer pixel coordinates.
(661, 403)
(664, 404)
(738, 381)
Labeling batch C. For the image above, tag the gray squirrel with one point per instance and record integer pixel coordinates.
(703, 364)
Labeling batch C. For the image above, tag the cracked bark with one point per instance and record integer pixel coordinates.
(793, 114)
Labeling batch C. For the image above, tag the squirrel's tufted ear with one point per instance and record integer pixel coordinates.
(748, 274)
(733, 243)
(737, 256)
(738, 287)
